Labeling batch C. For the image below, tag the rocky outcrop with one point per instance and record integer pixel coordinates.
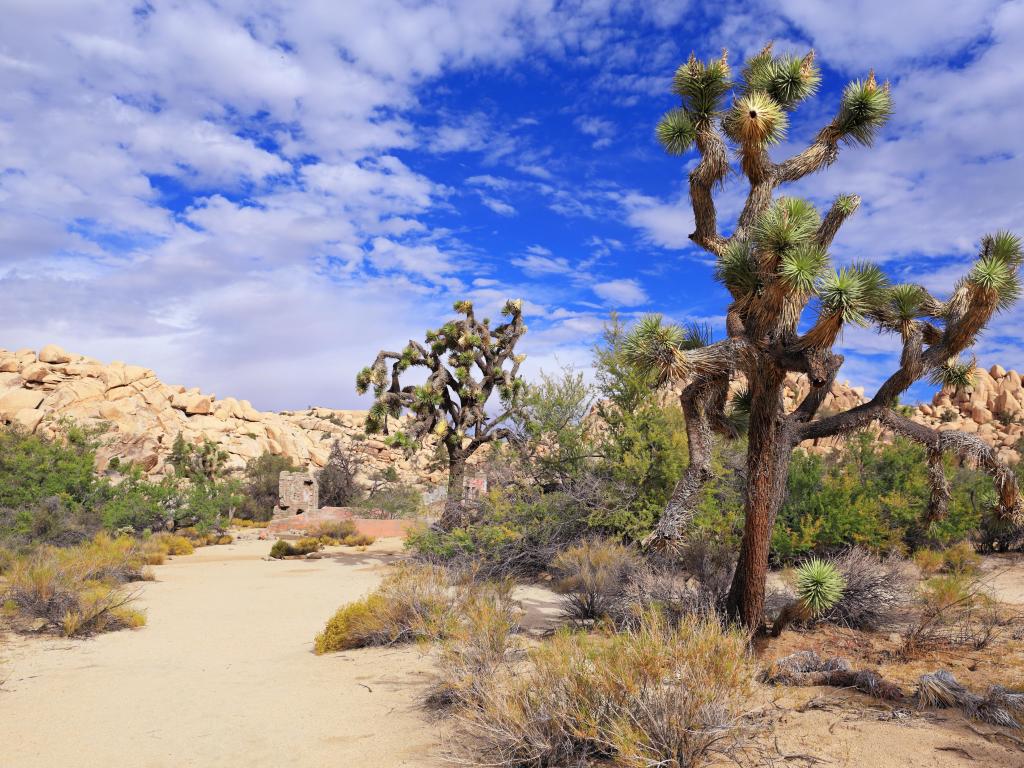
(140, 417)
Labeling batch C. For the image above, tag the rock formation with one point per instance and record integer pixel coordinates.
(140, 417)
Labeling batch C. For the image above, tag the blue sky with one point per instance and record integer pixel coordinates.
(253, 197)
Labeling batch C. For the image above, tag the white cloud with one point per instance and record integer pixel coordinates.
(666, 224)
(624, 292)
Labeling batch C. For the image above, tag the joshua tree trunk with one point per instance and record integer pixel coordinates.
(767, 468)
(774, 264)
(454, 509)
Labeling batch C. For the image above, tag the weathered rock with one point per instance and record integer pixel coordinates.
(51, 353)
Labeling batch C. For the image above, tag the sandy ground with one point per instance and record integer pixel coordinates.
(224, 675)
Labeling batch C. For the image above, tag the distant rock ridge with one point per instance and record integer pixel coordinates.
(143, 416)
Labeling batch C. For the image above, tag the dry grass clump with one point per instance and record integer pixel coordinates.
(302, 547)
(242, 522)
(78, 590)
(158, 546)
(332, 533)
(954, 610)
(957, 559)
(653, 695)
(415, 602)
(478, 646)
(591, 577)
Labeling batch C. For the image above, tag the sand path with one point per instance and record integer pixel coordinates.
(222, 675)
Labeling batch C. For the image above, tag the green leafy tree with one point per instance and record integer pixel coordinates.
(466, 363)
(201, 463)
(554, 440)
(262, 484)
(776, 265)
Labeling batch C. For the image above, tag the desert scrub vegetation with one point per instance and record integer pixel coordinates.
(415, 602)
(340, 532)
(305, 546)
(656, 694)
(591, 576)
(76, 590)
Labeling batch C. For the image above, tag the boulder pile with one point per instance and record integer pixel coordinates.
(140, 417)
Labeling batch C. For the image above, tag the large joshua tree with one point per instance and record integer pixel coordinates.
(776, 266)
(466, 362)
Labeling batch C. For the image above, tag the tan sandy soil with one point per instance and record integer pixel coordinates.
(222, 675)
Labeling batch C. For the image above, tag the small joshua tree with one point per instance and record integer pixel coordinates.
(774, 263)
(466, 360)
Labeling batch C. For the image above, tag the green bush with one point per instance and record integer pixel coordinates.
(261, 485)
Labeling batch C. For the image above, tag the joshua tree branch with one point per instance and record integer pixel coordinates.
(711, 171)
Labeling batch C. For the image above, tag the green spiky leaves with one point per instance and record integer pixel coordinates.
(654, 346)
(512, 307)
(864, 109)
(997, 275)
(853, 292)
(819, 586)
(1003, 246)
(363, 380)
(789, 222)
(801, 267)
(756, 120)
(676, 132)
(787, 79)
(955, 374)
(737, 269)
(702, 85)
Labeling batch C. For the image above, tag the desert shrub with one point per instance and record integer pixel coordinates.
(34, 468)
(224, 538)
(243, 522)
(415, 602)
(358, 540)
(711, 561)
(337, 480)
(261, 485)
(169, 544)
(876, 592)
(333, 529)
(591, 575)
(651, 695)
(929, 561)
(477, 646)
(521, 531)
(874, 496)
(140, 504)
(304, 546)
(77, 590)
(951, 609)
(395, 500)
(666, 590)
(961, 558)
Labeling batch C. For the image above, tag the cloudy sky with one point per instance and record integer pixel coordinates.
(253, 196)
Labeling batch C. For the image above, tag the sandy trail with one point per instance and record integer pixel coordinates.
(222, 675)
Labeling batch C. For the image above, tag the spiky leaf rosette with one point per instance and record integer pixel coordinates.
(847, 296)
(801, 267)
(737, 270)
(755, 120)
(819, 586)
(676, 132)
(654, 346)
(955, 374)
(997, 280)
(1004, 246)
(789, 80)
(789, 222)
(702, 85)
(864, 109)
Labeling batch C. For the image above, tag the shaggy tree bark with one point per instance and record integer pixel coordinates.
(466, 360)
(773, 264)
